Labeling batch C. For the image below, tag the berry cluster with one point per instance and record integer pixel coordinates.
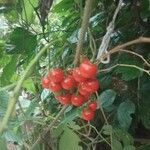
(75, 87)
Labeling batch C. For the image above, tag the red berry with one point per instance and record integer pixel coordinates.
(77, 75)
(56, 75)
(68, 83)
(92, 105)
(92, 85)
(45, 82)
(88, 69)
(54, 86)
(64, 99)
(87, 114)
(83, 89)
(77, 100)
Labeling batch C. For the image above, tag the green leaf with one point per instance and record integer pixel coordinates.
(128, 73)
(129, 147)
(29, 6)
(145, 102)
(4, 96)
(123, 136)
(45, 93)
(144, 147)
(21, 41)
(9, 70)
(13, 136)
(116, 145)
(3, 144)
(124, 111)
(107, 129)
(107, 98)
(71, 115)
(29, 85)
(31, 108)
(69, 140)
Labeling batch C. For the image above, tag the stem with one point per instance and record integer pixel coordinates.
(126, 65)
(14, 96)
(122, 46)
(49, 127)
(84, 25)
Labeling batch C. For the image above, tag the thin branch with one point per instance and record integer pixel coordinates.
(122, 46)
(84, 26)
(125, 65)
(14, 96)
(136, 54)
(49, 127)
(102, 111)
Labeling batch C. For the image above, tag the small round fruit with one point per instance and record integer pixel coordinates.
(77, 75)
(92, 85)
(64, 99)
(68, 83)
(54, 86)
(45, 82)
(87, 114)
(88, 69)
(56, 75)
(92, 105)
(77, 100)
(83, 89)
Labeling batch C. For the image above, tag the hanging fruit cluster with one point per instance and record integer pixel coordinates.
(76, 87)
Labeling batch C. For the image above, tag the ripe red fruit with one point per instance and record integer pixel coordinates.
(54, 86)
(87, 114)
(64, 99)
(45, 82)
(77, 100)
(68, 83)
(92, 85)
(92, 105)
(88, 69)
(56, 75)
(77, 75)
(83, 91)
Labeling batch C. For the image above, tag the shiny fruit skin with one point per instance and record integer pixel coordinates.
(45, 82)
(64, 99)
(77, 75)
(92, 105)
(56, 75)
(88, 69)
(77, 100)
(54, 86)
(68, 83)
(87, 114)
(92, 85)
(83, 89)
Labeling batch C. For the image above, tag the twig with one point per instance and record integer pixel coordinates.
(14, 96)
(122, 46)
(101, 136)
(49, 127)
(125, 65)
(105, 118)
(102, 111)
(106, 39)
(136, 54)
(84, 25)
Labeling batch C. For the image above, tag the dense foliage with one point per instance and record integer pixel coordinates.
(38, 120)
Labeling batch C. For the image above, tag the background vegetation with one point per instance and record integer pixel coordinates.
(38, 35)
